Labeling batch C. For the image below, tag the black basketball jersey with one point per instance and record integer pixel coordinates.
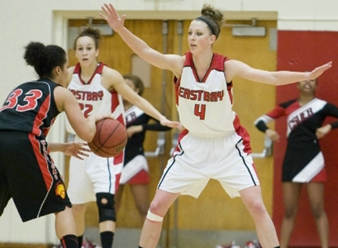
(30, 108)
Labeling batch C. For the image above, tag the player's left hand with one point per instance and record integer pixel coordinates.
(112, 17)
(76, 149)
(319, 70)
(322, 131)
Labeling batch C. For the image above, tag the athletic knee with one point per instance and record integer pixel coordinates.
(154, 217)
(105, 204)
(155, 212)
(290, 212)
(79, 208)
(317, 212)
(257, 207)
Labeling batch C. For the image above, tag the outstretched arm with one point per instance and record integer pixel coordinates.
(171, 62)
(235, 68)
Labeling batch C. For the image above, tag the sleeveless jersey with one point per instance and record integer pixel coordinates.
(93, 97)
(205, 106)
(30, 108)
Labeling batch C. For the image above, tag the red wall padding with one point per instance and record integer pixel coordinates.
(303, 51)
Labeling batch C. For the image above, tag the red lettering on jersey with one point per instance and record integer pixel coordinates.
(206, 96)
(213, 96)
(200, 111)
(201, 95)
(87, 95)
(299, 118)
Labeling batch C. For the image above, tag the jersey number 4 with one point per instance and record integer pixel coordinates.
(30, 100)
(200, 111)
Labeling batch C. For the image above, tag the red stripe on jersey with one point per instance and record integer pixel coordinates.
(241, 131)
(120, 118)
(177, 83)
(280, 111)
(236, 122)
(40, 116)
(115, 100)
(229, 89)
(43, 165)
(77, 70)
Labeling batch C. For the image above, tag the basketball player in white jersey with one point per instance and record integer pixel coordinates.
(97, 89)
(214, 144)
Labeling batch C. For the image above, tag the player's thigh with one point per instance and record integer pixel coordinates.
(315, 192)
(291, 194)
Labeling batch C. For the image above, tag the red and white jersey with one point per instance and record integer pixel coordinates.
(205, 106)
(93, 97)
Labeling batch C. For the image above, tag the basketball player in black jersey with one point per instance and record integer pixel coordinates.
(27, 172)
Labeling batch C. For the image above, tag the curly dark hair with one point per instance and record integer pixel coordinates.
(44, 58)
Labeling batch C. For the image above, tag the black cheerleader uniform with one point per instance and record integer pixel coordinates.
(303, 161)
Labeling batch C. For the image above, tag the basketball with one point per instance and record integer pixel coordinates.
(110, 138)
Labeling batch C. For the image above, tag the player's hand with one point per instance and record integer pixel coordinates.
(173, 124)
(322, 131)
(76, 149)
(272, 134)
(319, 70)
(112, 18)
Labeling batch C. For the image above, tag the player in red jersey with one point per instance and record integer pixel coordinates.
(27, 172)
(303, 160)
(214, 144)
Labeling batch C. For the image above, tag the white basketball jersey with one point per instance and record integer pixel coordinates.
(205, 107)
(93, 97)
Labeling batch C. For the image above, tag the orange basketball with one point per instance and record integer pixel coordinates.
(110, 138)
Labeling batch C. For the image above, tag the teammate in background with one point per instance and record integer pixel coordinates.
(27, 172)
(135, 169)
(214, 144)
(303, 161)
(98, 89)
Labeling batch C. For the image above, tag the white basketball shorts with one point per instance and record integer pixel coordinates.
(93, 175)
(197, 160)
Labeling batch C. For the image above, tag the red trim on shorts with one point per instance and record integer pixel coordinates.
(142, 177)
(43, 165)
(117, 182)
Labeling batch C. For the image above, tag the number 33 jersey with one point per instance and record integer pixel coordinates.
(205, 105)
(30, 108)
(93, 97)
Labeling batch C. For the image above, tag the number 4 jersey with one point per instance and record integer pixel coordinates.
(205, 105)
(30, 108)
(93, 97)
